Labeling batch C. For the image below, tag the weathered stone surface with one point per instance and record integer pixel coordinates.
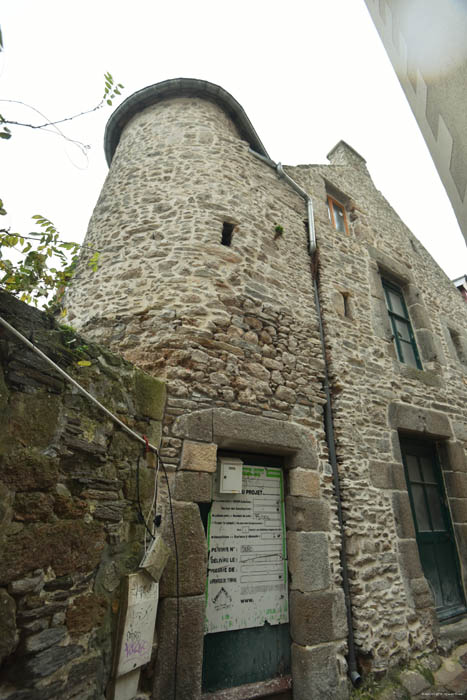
(410, 559)
(28, 470)
(387, 475)
(190, 650)
(150, 395)
(88, 611)
(305, 456)
(50, 660)
(65, 547)
(414, 682)
(316, 673)
(430, 348)
(193, 486)
(304, 482)
(195, 426)
(317, 617)
(306, 514)
(199, 456)
(452, 456)
(33, 418)
(26, 585)
(8, 631)
(308, 561)
(232, 427)
(419, 420)
(459, 509)
(191, 548)
(32, 507)
(456, 484)
(403, 515)
(109, 512)
(6, 511)
(45, 639)
(69, 508)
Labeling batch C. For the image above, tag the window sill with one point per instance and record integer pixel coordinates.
(426, 376)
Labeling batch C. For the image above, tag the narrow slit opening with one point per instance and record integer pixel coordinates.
(227, 231)
(456, 341)
(345, 298)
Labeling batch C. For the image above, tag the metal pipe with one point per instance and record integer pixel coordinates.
(76, 385)
(328, 420)
(299, 190)
(331, 442)
(309, 205)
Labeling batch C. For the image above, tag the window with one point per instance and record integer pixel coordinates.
(337, 215)
(404, 339)
(227, 231)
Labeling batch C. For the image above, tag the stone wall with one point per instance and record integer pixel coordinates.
(234, 331)
(227, 327)
(69, 528)
(376, 397)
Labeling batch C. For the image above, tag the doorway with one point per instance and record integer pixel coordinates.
(433, 527)
(247, 632)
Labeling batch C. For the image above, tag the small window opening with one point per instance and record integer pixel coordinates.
(456, 341)
(227, 231)
(345, 297)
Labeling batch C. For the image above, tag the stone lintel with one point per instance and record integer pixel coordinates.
(419, 420)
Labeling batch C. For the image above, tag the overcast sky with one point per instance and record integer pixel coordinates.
(308, 73)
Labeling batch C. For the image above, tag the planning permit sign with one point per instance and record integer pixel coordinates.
(247, 564)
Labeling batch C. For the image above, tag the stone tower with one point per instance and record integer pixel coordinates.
(206, 280)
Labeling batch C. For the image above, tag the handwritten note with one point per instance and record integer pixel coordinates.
(138, 630)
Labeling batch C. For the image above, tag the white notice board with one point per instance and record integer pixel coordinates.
(138, 627)
(247, 564)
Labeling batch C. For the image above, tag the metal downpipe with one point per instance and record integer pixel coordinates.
(355, 677)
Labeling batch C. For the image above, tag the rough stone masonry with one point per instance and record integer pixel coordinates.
(205, 280)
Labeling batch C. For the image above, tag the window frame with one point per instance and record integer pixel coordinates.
(394, 316)
(332, 202)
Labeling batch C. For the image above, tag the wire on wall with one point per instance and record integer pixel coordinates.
(147, 447)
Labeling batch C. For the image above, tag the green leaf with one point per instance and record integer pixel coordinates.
(84, 363)
(109, 102)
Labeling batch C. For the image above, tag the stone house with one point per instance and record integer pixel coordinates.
(310, 342)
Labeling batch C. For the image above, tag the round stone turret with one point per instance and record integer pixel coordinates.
(204, 276)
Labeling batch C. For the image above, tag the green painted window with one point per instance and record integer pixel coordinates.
(404, 338)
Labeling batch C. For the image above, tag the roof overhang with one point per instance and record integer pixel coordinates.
(179, 87)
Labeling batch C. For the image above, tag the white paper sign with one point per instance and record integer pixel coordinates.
(247, 565)
(138, 631)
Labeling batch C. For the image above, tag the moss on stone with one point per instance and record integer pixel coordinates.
(66, 546)
(33, 418)
(150, 395)
(29, 470)
(86, 613)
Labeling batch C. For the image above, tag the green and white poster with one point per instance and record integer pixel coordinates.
(247, 561)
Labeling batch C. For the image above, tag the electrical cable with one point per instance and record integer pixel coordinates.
(81, 389)
(177, 581)
(147, 447)
(141, 517)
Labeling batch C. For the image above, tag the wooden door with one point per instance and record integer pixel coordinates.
(435, 537)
